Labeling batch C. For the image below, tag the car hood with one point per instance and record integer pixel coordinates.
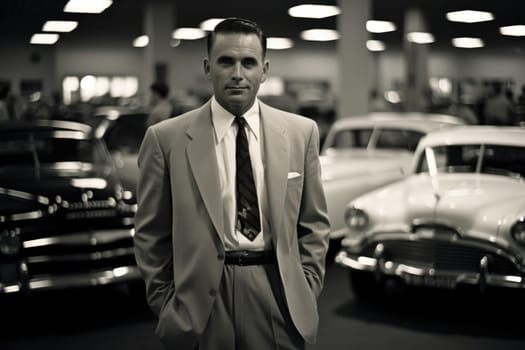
(474, 204)
(70, 184)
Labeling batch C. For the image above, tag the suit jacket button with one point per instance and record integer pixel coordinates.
(212, 292)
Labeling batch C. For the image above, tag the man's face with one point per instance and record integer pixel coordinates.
(236, 68)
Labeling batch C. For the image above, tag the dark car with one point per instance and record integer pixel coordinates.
(65, 219)
(122, 129)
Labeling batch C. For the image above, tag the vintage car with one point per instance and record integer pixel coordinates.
(122, 128)
(366, 152)
(457, 219)
(65, 219)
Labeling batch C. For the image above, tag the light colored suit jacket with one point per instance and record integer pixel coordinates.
(179, 222)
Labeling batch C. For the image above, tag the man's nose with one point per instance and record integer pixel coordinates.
(237, 72)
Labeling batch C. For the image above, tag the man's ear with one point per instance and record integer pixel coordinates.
(207, 69)
(266, 67)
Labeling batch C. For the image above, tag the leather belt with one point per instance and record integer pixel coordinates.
(249, 257)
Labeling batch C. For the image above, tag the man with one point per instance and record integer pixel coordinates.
(233, 261)
(161, 107)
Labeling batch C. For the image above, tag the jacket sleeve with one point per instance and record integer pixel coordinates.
(313, 225)
(152, 240)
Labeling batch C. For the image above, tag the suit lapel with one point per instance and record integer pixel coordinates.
(276, 165)
(203, 163)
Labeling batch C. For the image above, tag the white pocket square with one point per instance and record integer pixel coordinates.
(293, 175)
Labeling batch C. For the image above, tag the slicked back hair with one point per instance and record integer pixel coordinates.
(237, 25)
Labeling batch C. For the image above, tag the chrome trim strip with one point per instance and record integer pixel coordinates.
(100, 255)
(406, 272)
(82, 238)
(103, 277)
(119, 274)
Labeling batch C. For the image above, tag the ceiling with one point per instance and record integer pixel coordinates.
(122, 22)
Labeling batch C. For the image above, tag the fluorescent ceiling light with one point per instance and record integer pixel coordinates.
(313, 11)
(44, 39)
(59, 26)
(517, 30)
(319, 34)
(277, 43)
(375, 45)
(209, 24)
(467, 42)
(141, 41)
(380, 26)
(469, 16)
(87, 6)
(187, 33)
(420, 37)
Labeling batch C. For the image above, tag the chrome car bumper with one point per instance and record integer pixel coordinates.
(62, 261)
(115, 275)
(420, 262)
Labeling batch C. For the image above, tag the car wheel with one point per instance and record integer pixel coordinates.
(364, 285)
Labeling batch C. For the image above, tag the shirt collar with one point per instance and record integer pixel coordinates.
(223, 120)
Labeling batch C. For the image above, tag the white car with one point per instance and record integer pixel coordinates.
(363, 153)
(457, 218)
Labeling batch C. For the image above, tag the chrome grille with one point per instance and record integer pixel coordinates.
(80, 252)
(443, 255)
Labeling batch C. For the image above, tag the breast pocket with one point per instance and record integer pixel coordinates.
(293, 193)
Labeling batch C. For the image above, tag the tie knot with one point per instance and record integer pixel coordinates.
(241, 122)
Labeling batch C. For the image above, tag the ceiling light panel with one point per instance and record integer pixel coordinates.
(59, 26)
(187, 33)
(517, 30)
(44, 39)
(320, 35)
(278, 43)
(141, 41)
(375, 45)
(209, 24)
(469, 16)
(467, 42)
(313, 11)
(87, 6)
(374, 26)
(420, 37)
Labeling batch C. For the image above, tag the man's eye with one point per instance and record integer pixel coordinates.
(249, 62)
(224, 61)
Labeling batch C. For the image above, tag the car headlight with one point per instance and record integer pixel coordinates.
(518, 231)
(356, 219)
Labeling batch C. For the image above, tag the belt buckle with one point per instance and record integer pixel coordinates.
(243, 254)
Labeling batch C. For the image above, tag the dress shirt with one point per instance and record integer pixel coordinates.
(225, 140)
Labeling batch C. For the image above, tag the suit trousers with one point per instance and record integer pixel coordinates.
(250, 312)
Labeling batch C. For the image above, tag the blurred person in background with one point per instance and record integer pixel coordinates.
(498, 110)
(4, 112)
(376, 102)
(231, 227)
(520, 107)
(161, 107)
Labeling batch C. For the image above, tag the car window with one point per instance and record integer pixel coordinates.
(398, 139)
(352, 138)
(489, 159)
(126, 133)
(36, 149)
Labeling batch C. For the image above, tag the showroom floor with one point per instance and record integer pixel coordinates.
(407, 319)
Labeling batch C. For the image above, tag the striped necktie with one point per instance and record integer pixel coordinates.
(248, 221)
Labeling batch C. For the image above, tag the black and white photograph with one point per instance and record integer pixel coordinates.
(262, 175)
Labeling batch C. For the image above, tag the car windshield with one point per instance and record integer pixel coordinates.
(124, 134)
(380, 138)
(474, 158)
(351, 138)
(49, 149)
